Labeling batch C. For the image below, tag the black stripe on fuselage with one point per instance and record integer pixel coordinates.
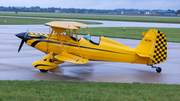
(41, 65)
(35, 42)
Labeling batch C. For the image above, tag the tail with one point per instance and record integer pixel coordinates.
(153, 46)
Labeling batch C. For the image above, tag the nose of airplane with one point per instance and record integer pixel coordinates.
(21, 35)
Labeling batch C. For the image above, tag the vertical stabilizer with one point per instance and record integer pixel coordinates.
(154, 46)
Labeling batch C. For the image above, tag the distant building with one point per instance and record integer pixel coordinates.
(130, 12)
(147, 13)
(62, 11)
(169, 13)
(57, 11)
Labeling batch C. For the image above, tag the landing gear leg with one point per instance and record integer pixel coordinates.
(158, 69)
(48, 60)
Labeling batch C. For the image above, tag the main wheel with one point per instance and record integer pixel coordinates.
(43, 71)
(158, 69)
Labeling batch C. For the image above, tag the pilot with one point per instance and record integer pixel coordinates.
(87, 37)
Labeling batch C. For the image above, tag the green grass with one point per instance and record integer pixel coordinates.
(96, 17)
(85, 91)
(26, 21)
(172, 34)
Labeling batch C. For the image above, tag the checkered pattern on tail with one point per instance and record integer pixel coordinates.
(160, 50)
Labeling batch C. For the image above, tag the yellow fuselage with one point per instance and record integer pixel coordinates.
(105, 50)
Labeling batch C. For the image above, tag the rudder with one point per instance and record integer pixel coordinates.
(153, 46)
(160, 50)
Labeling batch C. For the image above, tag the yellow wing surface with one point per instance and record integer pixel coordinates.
(64, 56)
(59, 27)
(66, 24)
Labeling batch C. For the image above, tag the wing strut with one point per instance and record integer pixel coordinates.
(78, 44)
(87, 31)
(48, 39)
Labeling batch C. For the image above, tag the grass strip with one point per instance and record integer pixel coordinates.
(97, 17)
(172, 34)
(94, 91)
(26, 21)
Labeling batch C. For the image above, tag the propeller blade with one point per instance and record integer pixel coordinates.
(22, 42)
(22, 36)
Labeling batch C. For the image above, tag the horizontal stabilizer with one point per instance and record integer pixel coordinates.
(143, 55)
(71, 58)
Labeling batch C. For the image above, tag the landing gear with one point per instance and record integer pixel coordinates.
(43, 71)
(45, 65)
(158, 69)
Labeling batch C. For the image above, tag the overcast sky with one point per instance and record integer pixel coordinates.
(97, 4)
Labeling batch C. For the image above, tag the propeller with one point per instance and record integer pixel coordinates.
(22, 42)
(22, 36)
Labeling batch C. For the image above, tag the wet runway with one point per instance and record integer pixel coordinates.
(18, 66)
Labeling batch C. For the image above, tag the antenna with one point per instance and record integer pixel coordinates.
(28, 26)
(49, 30)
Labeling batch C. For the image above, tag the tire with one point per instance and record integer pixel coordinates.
(158, 69)
(43, 71)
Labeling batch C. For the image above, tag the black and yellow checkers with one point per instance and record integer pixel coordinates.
(160, 50)
(37, 35)
(153, 46)
(34, 33)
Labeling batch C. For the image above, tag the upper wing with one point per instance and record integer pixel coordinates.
(59, 27)
(66, 24)
(71, 58)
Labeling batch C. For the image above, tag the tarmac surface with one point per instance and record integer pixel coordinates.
(18, 66)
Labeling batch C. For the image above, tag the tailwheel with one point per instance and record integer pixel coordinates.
(158, 69)
(43, 71)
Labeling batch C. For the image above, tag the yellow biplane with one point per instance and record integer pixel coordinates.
(62, 45)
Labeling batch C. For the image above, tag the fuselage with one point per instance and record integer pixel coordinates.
(105, 50)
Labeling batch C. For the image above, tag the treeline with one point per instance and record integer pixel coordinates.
(53, 9)
(28, 9)
(77, 10)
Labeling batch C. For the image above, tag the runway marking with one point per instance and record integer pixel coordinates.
(9, 44)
